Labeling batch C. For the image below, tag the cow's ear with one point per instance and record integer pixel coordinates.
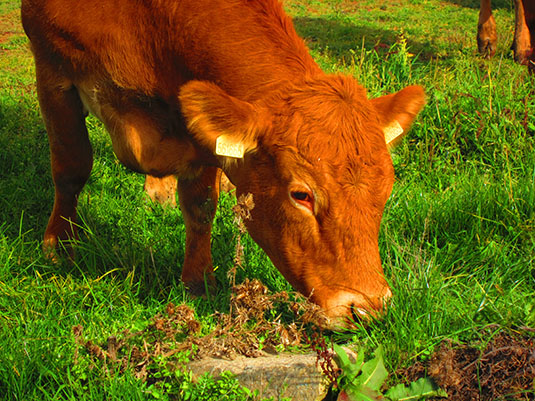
(397, 112)
(219, 122)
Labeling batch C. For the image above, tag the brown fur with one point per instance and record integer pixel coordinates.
(168, 78)
(524, 39)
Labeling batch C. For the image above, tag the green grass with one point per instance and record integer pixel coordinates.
(457, 238)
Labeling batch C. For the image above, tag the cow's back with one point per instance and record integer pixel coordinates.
(153, 47)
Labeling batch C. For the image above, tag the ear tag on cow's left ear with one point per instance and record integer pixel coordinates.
(392, 131)
(225, 146)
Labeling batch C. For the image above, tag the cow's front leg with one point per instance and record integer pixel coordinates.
(70, 152)
(161, 190)
(198, 202)
(486, 30)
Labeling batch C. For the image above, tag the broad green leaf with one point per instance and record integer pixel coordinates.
(374, 372)
(421, 388)
(362, 394)
(350, 370)
(343, 359)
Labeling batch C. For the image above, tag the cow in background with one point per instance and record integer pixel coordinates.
(524, 39)
(191, 88)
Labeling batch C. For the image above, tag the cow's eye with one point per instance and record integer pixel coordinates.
(303, 198)
(300, 196)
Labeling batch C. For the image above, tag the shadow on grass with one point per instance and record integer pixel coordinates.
(26, 191)
(507, 4)
(342, 37)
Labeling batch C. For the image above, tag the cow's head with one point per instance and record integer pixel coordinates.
(317, 164)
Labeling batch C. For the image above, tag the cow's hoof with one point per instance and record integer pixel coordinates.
(49, 249)
(202, 288)
(523, 56)
(486, 37)
(486, 47)
(56, 250)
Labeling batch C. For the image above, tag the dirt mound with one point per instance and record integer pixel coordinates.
(502, 368)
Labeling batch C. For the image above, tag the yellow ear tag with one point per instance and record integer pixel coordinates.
(224, 146)
(392, 131)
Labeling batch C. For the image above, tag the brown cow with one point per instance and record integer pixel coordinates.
(524, 39)
(193, 87)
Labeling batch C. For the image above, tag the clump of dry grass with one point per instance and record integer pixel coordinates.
(246, 330)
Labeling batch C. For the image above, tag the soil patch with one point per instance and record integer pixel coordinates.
(502, 369)
(10, 26)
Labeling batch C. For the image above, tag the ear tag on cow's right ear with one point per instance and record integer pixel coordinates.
(225, 146)
(392, 131)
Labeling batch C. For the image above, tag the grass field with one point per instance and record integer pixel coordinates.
(457, 237)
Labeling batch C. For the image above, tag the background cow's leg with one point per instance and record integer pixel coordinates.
(70, 151)
(161, 190)
(198, 202)
(522, 40)
(486, 30)
(225, 184)
(529, 14)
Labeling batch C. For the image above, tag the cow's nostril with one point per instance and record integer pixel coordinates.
(358, 314)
